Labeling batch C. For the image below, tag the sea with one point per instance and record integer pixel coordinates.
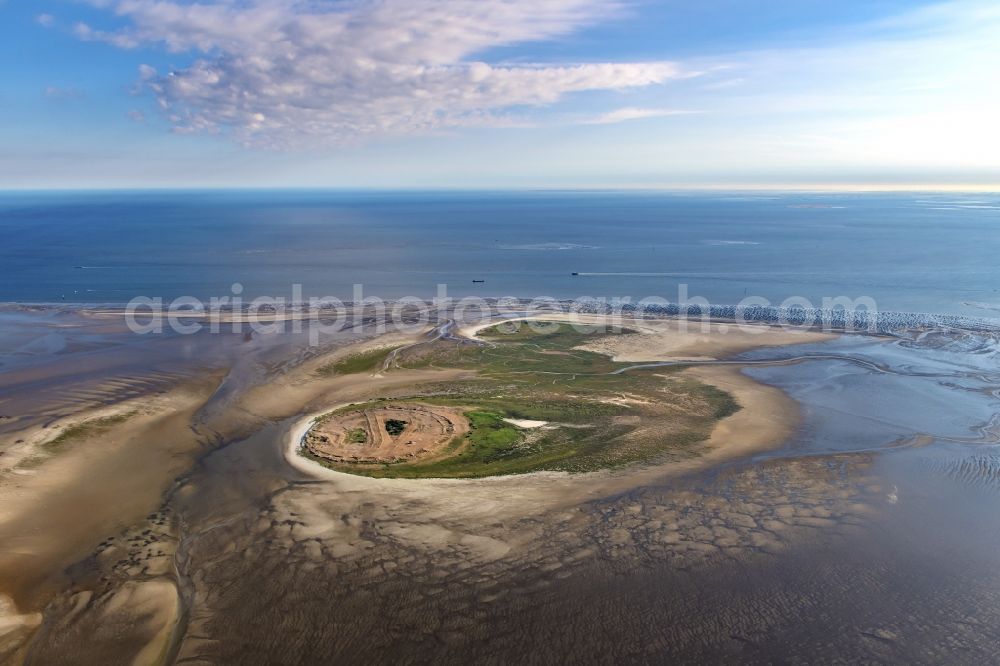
(908, 252)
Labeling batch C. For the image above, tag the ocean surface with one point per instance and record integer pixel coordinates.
(933, 253)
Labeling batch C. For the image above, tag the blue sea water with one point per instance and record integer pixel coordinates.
(910, 252)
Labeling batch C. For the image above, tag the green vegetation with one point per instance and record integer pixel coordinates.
(77, 431)
(491, 437)
(357, 436)
(371, 360)
(600, 414)
(395, 427)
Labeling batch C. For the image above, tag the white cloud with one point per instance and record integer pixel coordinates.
(45, 20)
(304, 72)
(911, 92)
(633, 113)
(64, 94)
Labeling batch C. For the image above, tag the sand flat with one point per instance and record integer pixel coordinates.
(674, 339)
(96, 487)
(29, 569)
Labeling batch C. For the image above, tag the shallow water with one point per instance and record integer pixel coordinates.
(941, 394)
(871, 536)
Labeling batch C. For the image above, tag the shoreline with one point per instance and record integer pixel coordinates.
(774, 418)
(859, 321)
(766, 420)
(671, 343)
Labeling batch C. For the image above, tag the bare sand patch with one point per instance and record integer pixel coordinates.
(292, 394)
(674, 339)
(526, 423)
(767, 418)
(97, 486)
(130, 623)
(391, 433)
(15, 627)
(147, 608)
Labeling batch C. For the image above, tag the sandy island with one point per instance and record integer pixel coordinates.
(767, 418)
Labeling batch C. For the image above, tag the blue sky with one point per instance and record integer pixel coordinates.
(499, 93)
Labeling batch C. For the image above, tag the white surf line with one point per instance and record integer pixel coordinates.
(293, 446)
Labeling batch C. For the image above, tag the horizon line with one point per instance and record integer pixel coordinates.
(826, 188)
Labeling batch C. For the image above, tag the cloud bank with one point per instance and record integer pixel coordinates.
(292, 73)
(633, 113)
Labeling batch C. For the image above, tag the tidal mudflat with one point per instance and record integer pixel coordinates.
(158, 506)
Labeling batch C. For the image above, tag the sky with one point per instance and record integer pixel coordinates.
(870, 94)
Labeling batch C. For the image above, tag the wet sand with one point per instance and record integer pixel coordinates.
(64, 499)
(99, 485)
(673, 340)
(677, 339)
(773, 544)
